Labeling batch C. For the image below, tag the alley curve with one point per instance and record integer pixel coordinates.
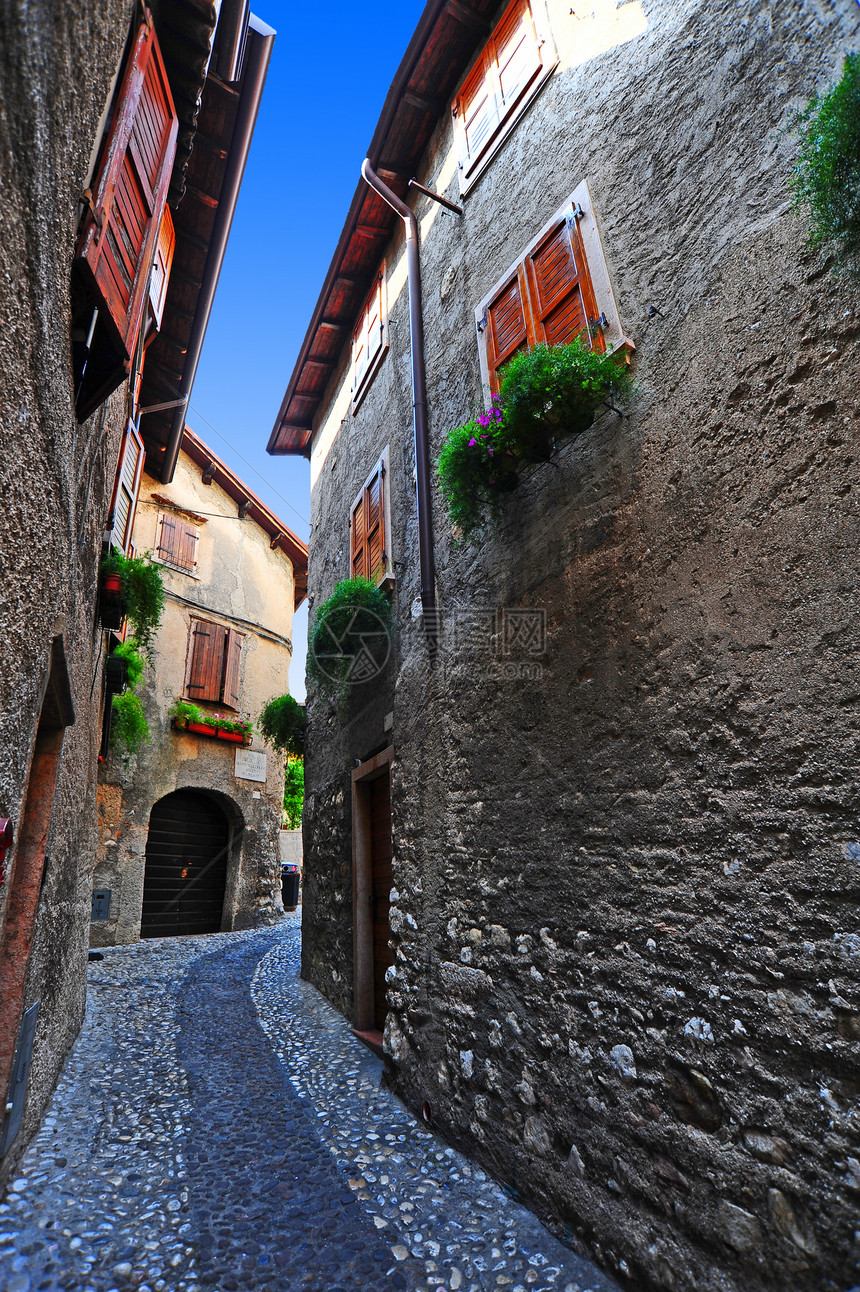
(217, 1126)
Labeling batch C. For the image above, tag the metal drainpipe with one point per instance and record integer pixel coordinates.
(419, 397)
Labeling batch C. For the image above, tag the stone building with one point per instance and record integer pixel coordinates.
(101, 143)
(622, 788)
(189, 826)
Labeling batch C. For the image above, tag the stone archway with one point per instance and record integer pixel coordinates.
(188, 853)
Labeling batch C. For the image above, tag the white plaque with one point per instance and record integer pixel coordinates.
(250, 765)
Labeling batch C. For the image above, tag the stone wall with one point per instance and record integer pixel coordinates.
(56, 66)
(626, 866)
(243, 583)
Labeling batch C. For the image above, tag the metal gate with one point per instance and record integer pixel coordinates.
(187, 850)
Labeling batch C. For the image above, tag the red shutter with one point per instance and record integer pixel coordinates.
(207, 660)
(478, 107)
(118, 238)
(126, 488)
(186, 548)
(509, 326)
(358, 540)
(232, 669)
(560, 288)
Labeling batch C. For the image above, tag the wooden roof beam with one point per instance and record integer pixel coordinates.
(467, 17)
(420, 101)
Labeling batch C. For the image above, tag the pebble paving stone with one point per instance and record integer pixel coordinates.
(217, 1127)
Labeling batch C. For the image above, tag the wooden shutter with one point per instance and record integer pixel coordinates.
(232, 669)
(117, 242)
(509, 325)
(177, 542)
(358, 540)
(374, 499)
(126, 488)
(517, 54)
(368, 336)
(562, 298)
(478, 107)
(164, 249)
(206, 668)
(509, 64)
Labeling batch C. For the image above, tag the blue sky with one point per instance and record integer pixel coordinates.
(330, 71)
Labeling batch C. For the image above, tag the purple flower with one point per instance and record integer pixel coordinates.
(472, 442)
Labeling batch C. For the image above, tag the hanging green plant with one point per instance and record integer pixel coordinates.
(129, 728)
(350, 638)
(282, 723)
(133, 587)
(548, 394)
(135, 663)
(826, 177)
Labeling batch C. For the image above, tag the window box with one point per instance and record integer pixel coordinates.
(213, 732)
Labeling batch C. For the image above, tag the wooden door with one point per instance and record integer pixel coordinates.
(186, 866)
(381, 883)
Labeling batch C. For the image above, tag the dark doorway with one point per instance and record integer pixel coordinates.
(187, 851)
(380, 866)
(372, 880)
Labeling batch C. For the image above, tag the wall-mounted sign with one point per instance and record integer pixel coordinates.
(250, 765)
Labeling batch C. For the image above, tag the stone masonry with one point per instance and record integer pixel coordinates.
(626, 866)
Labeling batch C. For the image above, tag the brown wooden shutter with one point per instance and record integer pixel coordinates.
(562, 297)
(206, 669)
(117, 242)
(374, 495)
(358, 540)
(232, 669)
(509, 325)
(126, 488)
(168, 538)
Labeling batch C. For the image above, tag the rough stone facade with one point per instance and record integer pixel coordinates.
(57, 64)
(242, 582)
(626, 868)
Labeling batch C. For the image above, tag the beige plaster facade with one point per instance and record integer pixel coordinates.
(243, 583)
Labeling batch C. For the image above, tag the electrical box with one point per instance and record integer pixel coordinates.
(101, 904)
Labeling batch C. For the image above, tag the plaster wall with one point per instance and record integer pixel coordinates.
(241, 582)
(56, 67)
(625, 864)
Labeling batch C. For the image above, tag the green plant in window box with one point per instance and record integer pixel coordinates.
(184, 713)
(547, 395)
(826, 178)
(350, 637)
(141, 592)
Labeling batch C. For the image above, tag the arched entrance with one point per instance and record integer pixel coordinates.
(187, 852)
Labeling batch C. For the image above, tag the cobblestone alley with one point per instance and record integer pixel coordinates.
(218, 1126)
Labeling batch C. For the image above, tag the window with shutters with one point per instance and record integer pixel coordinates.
(369, 534)
(557, 290)
(370, 339)
(214, 667)
(125, 490)
(123, 216)
(176, 542)
(510, 70)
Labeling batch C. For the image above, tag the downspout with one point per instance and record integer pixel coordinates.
(419, 398)
(261, 38)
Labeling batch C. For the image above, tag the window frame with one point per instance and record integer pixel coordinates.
(592, 248)
(386, 569)
(469, 169)
(379, 292)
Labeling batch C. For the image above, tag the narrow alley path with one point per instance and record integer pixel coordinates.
(217, 1126)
